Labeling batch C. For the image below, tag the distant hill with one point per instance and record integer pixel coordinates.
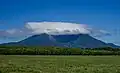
(69, 40)
(113, 45)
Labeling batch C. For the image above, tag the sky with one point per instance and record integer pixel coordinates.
(20, 18)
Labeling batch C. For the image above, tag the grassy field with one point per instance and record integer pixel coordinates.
(59, 64)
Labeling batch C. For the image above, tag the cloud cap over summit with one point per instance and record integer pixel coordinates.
(57, 28)
(53, 28)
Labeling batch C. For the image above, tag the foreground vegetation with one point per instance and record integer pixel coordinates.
(59, 64)
(24, 50)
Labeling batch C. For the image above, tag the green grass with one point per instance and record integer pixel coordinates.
(59, 64)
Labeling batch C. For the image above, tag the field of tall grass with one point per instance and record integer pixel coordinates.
(59, 64)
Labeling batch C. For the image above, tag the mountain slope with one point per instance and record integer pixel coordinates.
(87, 41)
(65, 38)
(38, 40)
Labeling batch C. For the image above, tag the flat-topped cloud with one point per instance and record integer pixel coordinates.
(54, 28)
(57, 28)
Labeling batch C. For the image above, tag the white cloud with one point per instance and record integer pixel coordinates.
(57, 28)
(11, 31)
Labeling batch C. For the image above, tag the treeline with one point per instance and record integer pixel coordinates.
(24, 50)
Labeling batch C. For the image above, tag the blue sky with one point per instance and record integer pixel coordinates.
(98, 14)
